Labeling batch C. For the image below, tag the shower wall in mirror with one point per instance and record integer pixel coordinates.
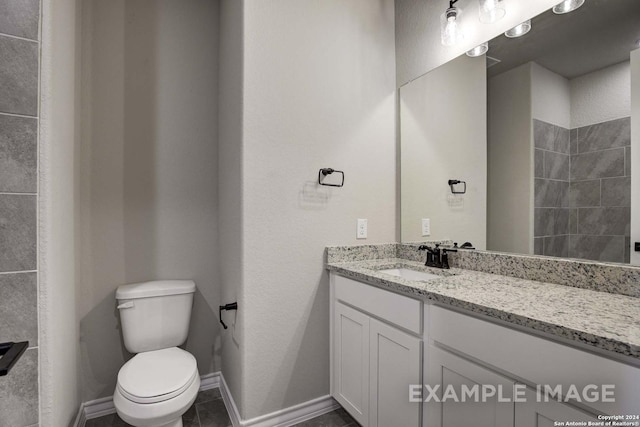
(540, 130)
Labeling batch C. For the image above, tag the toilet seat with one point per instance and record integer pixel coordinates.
(157, 376)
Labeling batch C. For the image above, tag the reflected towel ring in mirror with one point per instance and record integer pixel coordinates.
(454, 182)
(328, 171)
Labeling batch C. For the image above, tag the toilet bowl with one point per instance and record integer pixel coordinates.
(161, 382)
(156, 388)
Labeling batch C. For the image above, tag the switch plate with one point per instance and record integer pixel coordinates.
(361, 232)
(637, 246)
(426, 227)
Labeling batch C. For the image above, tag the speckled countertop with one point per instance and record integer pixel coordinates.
(608, 321)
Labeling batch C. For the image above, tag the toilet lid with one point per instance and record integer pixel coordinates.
(155, 376)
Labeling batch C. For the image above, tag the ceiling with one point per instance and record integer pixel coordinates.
(599, 34)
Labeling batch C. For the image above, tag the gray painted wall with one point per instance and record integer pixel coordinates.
(19, 108)
(444, 136)
(59, 205)
(149, 178)
(313, 98)
(230, 191)
(510, 183)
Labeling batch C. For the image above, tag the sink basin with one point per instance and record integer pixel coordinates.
(407, 273)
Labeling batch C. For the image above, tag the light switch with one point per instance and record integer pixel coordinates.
(361, 232)
(426, 227)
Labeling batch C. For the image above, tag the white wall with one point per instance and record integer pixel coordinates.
(149, 170)
(418, 45)
(550, 97)
(635, 154)
(601, 96)
(510, 182)
(319, 92)
(444, 136)
(58, 331)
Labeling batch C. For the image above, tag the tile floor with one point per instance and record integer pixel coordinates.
(209, 411)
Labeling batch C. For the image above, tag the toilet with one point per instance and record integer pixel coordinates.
(161, 381)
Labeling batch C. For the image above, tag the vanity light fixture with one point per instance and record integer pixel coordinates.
(450, 25)
(478, 50)
(491, 11)
(567, 6)
(519, 30)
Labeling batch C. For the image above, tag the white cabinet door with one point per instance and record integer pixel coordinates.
(351, 361)
(395, 365)
(533, 413)
(455, 374)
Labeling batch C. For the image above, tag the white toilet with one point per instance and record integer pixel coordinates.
(161, 381)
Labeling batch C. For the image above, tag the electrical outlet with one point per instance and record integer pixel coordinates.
(361, 232)
(426, 227)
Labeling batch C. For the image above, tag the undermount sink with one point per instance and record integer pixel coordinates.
(407, 273)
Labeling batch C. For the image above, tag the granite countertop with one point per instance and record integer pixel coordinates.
(604, 320)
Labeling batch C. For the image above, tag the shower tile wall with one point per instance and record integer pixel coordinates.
(583, 195)
(19, 66)
(551, 189)
(601, 191)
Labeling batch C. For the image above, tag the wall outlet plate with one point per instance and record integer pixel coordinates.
(637, 246)
(426, 227)
(361, 232)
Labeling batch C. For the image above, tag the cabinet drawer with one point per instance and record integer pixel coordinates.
(535, 359)
(397, 309)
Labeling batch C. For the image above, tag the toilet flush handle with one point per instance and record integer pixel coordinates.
(128, 304)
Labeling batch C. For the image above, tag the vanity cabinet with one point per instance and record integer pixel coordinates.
(454, 374)
(376, 353)
(350, 361)
(543, 414)
(383, 342)
(458, 341)
(395, 364)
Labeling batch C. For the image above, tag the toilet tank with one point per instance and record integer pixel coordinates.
(155, 315)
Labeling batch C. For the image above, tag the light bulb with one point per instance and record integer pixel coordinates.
(519, 30)
(491, 11)
(567, 6)
(450, 27)
(478, 50)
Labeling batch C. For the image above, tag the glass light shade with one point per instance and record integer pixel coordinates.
(450, 26)
(567, 6)
(491, 11)
(478, 50)
(519, 30)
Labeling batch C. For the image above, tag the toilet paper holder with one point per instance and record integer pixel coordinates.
(230, 306)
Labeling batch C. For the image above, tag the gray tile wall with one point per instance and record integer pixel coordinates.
(583, 190)
(552, 216)
(19, 98)
(601, 191)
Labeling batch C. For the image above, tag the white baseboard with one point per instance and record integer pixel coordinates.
(104, 406)
(282, 418)
(98, 408)
(209, 381)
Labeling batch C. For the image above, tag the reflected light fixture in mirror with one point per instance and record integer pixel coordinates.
(478, 50)
(450, 25)
(567, 6)
(491, 11)
(519, 30)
